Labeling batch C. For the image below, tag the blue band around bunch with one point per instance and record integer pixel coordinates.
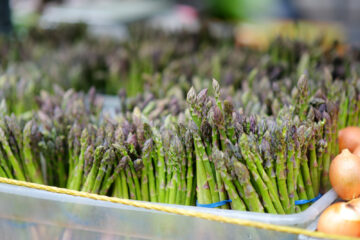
(302, 202)
(221, 203)
(214, 205)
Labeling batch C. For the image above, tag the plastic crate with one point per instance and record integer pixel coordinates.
(37, 214)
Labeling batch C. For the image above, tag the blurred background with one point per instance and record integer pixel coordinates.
(167, 46)
(109, 17)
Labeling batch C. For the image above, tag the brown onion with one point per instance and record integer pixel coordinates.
(344, 175)
(341, 218)
(349, 138)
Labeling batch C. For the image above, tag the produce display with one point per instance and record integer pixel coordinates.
(263, 136)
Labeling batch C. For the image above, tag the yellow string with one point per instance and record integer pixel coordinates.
(207, 216)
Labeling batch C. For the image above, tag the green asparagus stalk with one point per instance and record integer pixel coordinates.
(203, 185)
(60, 154)
(31, 166)
(18, 172)
(237, 203)
(305, 167)
(269, 166)
(161, 183)
(190, 172)
(124, 185)
(250, 193)
(107, 158)
(314, 166)
(152, 180)
(145, 172)
(75, 183)
(210, 178)
(135, 179)
(91, 177)
(4, 162)
(290, 181)
(109, 181)
(280, 168)
(252, 163)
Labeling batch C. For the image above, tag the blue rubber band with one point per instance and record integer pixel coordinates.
(302, 202)
(214, 205)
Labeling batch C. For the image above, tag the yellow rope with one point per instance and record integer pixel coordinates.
(207, 216)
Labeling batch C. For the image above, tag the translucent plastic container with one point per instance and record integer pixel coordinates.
(36, 214)
(311, 227)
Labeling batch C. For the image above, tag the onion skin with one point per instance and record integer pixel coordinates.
(357, 151)
(349, 138)
(344, 175)
(356, 203)
(342, 219)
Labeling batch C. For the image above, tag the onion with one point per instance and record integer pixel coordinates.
(344, 175)
(341, 218)
(349, 138)
(357, 151)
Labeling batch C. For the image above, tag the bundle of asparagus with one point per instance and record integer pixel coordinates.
(263, 141)
(35, 150)
(208, 152)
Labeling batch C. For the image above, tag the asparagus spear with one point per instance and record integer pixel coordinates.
(258, 175)
(76, 181)
(4, 162)
(250, 193)
(18, 172)
(105, 161)
(31, 166)
(109, 181)
(204, 190)
(161, 183)
(237, 203)
(305, 167)
(147, 178)
(210, 178)
(278, 143)
(90, 179)
(190, 172)
(313, 164)
(291, 162)
(269, 166)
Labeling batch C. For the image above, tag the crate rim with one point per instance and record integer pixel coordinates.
(171, 210)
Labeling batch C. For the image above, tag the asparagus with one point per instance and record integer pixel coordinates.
(78, 170)
(236, 203)
(210, 178)
(161, 183)
(90, 179)
(109, 181)
(262, 185)
(280, 161)
(291, 162)
(18, 172)
(313, 164)
(269, 166)
(31, 165)
(280, 168)
(147, 178)
(190, 172)
(250, 194)
(106, 159)
(204, 191)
